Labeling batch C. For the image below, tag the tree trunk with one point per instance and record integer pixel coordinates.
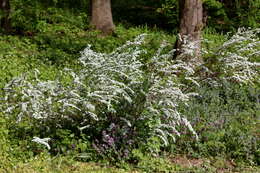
(191, 24)
(4, 12)
(101, 18)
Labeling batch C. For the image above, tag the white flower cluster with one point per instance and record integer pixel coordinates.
(42, 100)
(166, 93)
(43, 141)
(108, 81)
(104, 81)
(111, 77)
(236, 54)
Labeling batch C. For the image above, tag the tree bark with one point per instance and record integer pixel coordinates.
(101, 18)
(191, 24)
(5, 9)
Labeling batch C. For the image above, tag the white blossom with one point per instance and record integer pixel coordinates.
(43, 141)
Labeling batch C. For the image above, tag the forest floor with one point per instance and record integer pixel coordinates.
(57, 46)
(179, 164)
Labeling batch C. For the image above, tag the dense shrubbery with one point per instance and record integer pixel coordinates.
(225, 114)
(112, 100)
(225, 119)
(118, 102)
(35, 17)
(119, 113)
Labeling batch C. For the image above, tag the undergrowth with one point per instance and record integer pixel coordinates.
(126, 105)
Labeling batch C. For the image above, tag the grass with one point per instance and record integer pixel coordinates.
(179, 163)
(49, 164)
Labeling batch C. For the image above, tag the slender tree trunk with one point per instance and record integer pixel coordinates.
(5, 11)
(101, 18)
(191, 24)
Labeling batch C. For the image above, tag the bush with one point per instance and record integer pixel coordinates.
(125, 100)
(30, 17)
(116, 101)
(225, 112)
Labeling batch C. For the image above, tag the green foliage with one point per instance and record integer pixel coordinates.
(226, 120)
(111, 99)
(170, 8)
(29, 17)
(244, 13)
(225, 116)
(221, 16)
(149, 164)
(216, 15)
(230, 15)
(4, 143)
(45, 163)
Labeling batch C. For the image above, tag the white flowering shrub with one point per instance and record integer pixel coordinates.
(239, 57)
(228, 102)
(115, 99)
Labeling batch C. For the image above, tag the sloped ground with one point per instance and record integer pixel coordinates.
(57, 46)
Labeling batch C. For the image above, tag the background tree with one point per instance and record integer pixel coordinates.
(101, 18)
(191, 24)
(4, 15)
